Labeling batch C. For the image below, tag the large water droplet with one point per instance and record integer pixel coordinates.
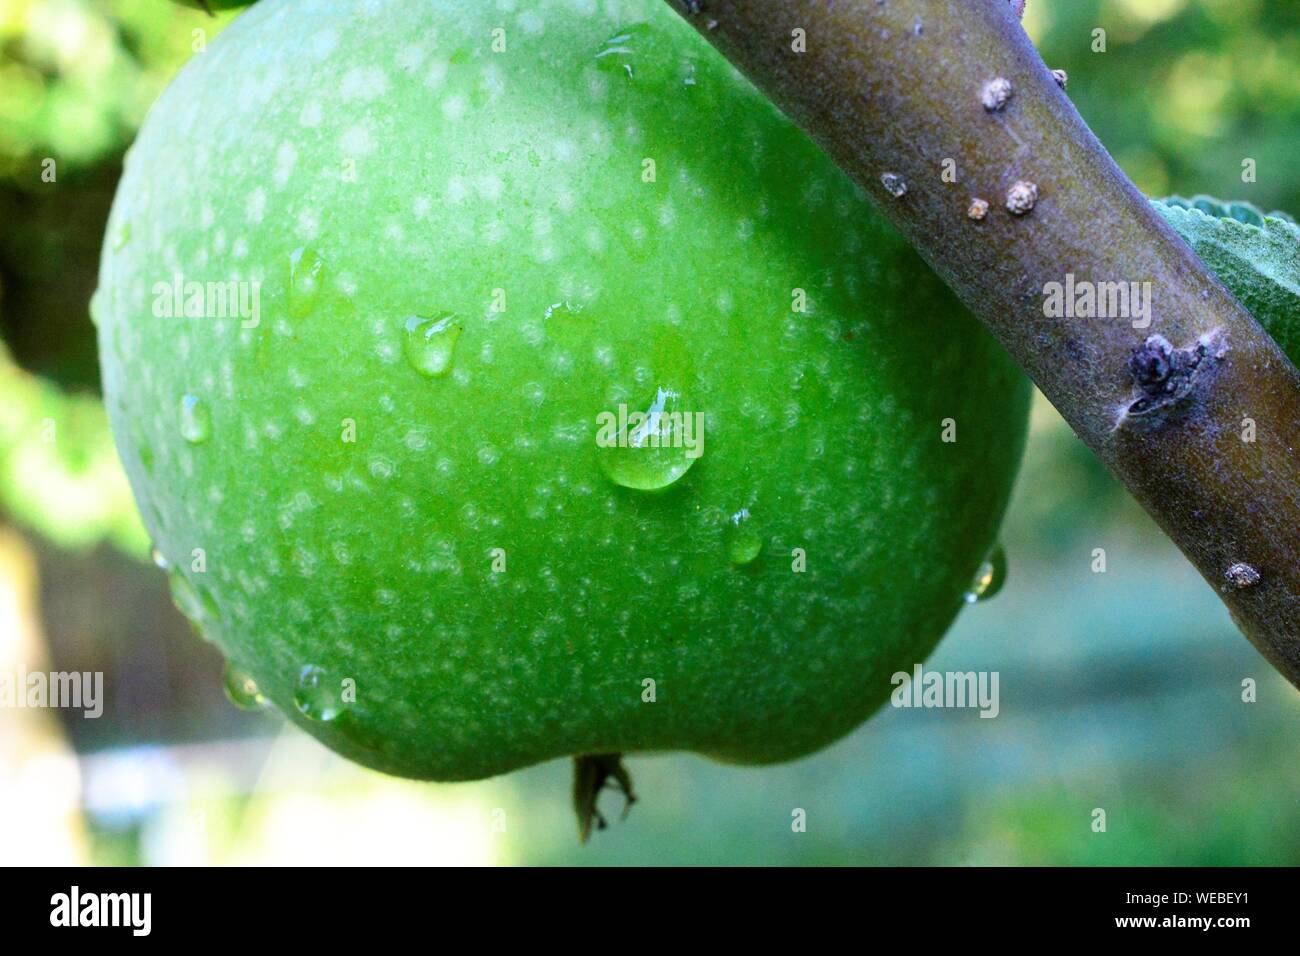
(314, 696)
(990, 577)
(743, 540)
(651, 449)
(431, 342)
(306, 276)
(196, 420)
(242, 689)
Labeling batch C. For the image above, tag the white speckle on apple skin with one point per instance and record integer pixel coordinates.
(255, 210)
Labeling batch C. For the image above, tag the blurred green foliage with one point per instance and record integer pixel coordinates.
(76, 79)
(1186, 89)
(59, 472)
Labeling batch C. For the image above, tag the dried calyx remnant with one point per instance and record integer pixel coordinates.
(591, 773)
(1168, 376)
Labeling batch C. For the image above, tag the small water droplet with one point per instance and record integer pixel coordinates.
(650, 450)
(314, 696)
(618, 52)
(306, 276)
(561, 311)
(894, 184)
(97, 306)
(241, 689)
(121, 235)
(990, 577)
(160, 561)
(145, 452)
(196, 420)
(431, 342)
(743, 540)
(185, 597)
(196, 603)
(642, 53)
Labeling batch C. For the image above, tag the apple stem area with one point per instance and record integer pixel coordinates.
(592, 773)
(892, 91)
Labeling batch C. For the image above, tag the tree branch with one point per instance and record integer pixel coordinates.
(893, 88)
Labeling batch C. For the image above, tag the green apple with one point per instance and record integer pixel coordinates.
(501, 382)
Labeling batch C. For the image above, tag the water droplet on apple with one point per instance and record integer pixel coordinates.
(97, 306)
(306, 276)
(561, 311)
(195, 602)
(639, 52)
(431, 342)
(652, 449)
(196, 420)
(314, 696)
(185, 597)
(618, 52)
(241, 689)
(743, 540)
(990, 577)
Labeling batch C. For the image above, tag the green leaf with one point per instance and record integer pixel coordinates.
(1256, 255)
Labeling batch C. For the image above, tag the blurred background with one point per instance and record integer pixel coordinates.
(1120, 690)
